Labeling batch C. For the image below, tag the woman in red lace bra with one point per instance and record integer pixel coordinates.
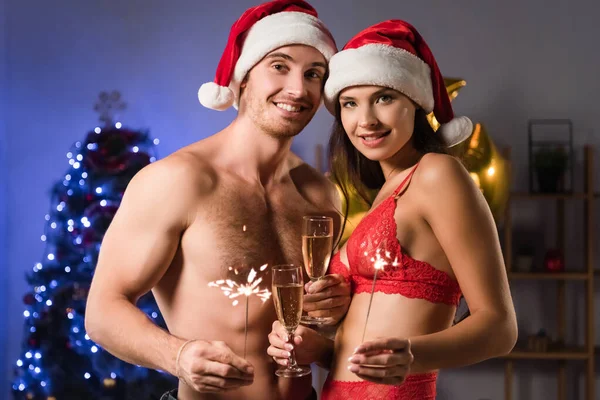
(429, 232)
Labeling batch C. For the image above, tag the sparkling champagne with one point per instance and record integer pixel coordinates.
(288, 304)
(316, 251)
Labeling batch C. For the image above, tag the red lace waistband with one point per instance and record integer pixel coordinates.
(416, 387)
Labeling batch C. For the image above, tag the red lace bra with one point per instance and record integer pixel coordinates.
(373, 245)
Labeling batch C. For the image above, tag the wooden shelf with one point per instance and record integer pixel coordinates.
(569, 353)
(548, 196)
(586, 274)
(549, 276)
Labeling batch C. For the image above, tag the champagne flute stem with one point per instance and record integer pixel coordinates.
(246, 328)
(292, 359)
(369, 308)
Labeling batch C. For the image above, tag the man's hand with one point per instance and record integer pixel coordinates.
(385, 361)
(329, 297)
(308, 344)
(212, 367)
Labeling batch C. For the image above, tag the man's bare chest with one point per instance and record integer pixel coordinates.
(241, 229)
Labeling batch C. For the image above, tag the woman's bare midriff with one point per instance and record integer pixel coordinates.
(392, 315)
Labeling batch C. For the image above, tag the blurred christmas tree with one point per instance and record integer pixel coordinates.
(58, 359)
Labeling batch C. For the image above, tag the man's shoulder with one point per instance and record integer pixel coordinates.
(183, 170)
(304, 174)
(312, 182)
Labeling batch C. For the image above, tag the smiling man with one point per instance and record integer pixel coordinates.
(234, 199)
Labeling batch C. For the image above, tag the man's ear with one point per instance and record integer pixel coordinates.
(244, 82)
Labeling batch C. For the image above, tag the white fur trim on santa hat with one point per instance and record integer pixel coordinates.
(278, 30)
(456, 131)
(215, 97)
(380, 65)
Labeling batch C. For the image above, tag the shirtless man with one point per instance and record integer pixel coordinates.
(234, 199)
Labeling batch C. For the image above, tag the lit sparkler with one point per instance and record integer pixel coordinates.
(233, 290)
(379, 263)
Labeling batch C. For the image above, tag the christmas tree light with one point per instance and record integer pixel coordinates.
(58, 360)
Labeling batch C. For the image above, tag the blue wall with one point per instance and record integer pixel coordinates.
(3, 196)
(533, 59)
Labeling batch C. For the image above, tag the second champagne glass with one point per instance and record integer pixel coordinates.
(288, 295)
(317, 241)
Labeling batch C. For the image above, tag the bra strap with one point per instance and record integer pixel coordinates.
(399, 189)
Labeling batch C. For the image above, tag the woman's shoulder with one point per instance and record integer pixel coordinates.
(439, 173)
(439, 163)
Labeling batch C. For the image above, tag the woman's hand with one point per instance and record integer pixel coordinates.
(385, 361)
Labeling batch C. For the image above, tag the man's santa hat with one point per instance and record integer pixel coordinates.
(256, 33)
(393, 54)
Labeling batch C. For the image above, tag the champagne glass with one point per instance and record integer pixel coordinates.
(287, 296)
(317, 241)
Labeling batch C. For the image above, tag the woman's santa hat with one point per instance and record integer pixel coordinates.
(255, 34)
(393, 54)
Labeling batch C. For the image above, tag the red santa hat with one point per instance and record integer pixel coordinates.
(393, 54)
(256, 33)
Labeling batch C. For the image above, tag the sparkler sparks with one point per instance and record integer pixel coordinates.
(233, 290)
(379, 264)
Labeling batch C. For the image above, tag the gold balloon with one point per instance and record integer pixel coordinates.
(453, 86)
(487, 167)
(485, 164)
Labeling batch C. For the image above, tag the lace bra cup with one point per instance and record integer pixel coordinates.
(374, 243)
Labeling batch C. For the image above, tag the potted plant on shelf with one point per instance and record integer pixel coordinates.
(550, 166)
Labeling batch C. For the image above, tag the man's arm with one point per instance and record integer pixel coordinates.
(136, 251)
